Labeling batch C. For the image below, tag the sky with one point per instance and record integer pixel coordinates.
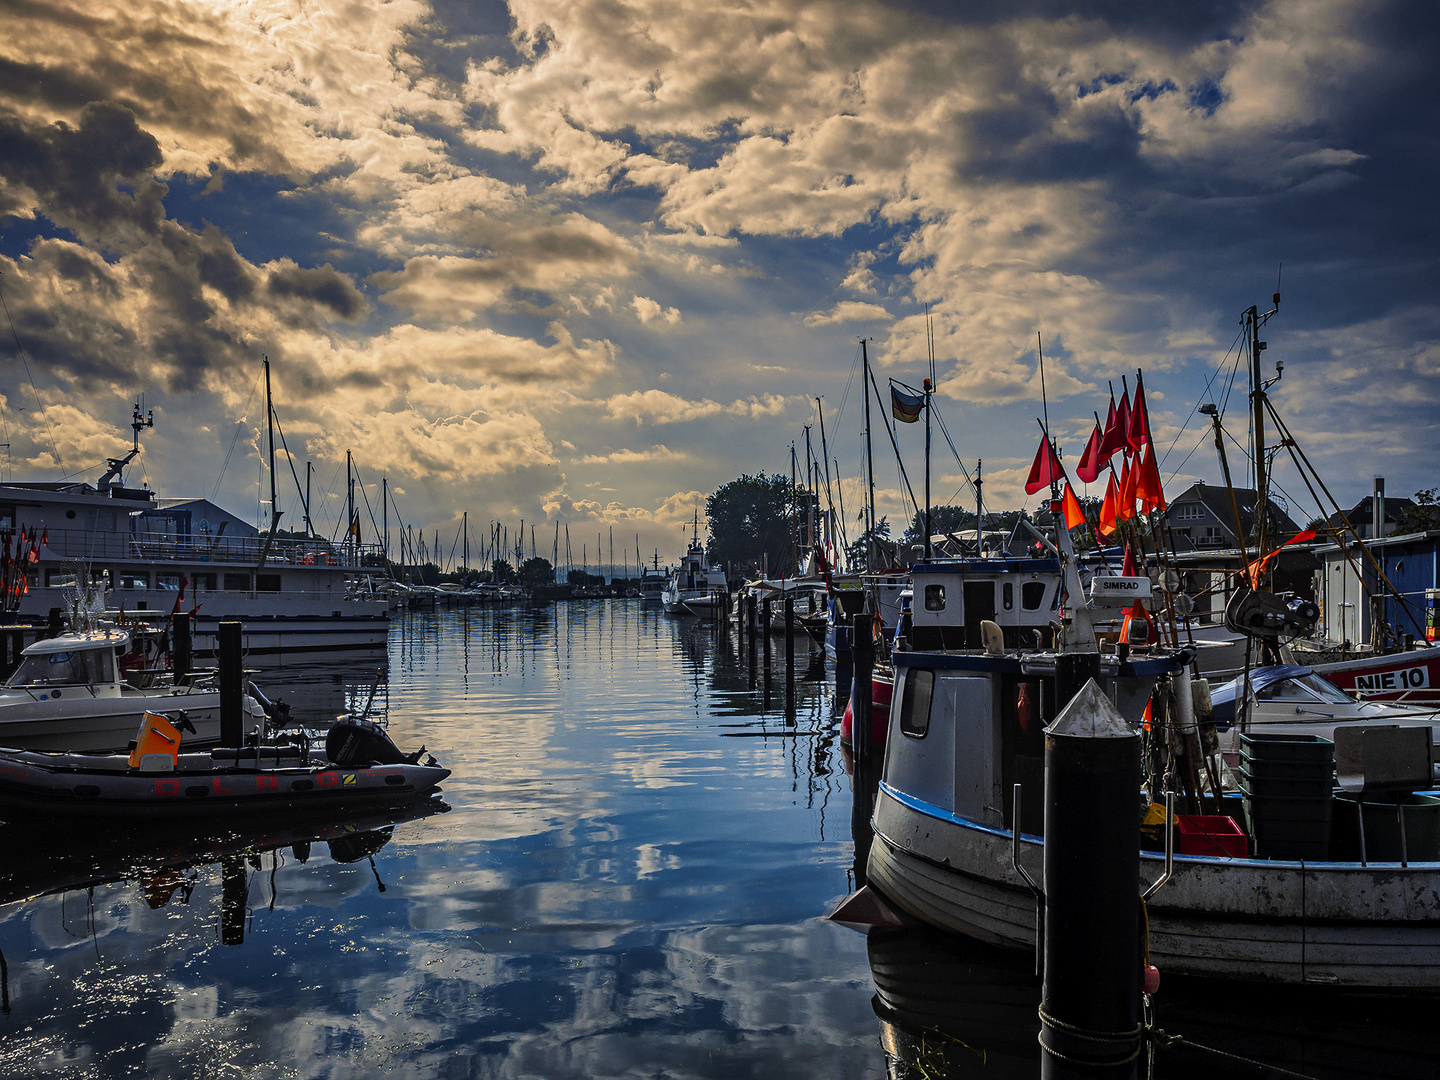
(584, 262)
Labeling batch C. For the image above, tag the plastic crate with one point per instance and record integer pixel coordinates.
(1289, 827)
(1286, 748)
(1317, 785)
(1211, 835)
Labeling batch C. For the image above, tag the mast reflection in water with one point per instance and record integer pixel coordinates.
(641, 838)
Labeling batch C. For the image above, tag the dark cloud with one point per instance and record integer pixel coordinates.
(95, 179)
(1171, 22)
(323, 286)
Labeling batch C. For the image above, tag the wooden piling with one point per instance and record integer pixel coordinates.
(182, 647)
(232, 679)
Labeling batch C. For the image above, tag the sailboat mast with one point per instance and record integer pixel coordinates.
(927, 468)
(829, 494)
(869, 465)
(350, 505)
(309, 525)
(1257, 401)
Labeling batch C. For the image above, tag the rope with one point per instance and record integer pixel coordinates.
(1116, 1039)
(1166, 1042)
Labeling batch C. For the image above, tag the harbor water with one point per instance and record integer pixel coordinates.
(624, 876)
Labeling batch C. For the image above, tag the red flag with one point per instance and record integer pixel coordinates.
(1259, 566)
(45, 536)
(1071, 508)
(1127, 568)
(1045, 469)
(1117, 431)
(1125, 501)
(1139, 432)
(1089, 468)
(1147, 487)
(1109, 521)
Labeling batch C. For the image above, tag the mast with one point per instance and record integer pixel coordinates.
(979, 510)
(350, 506)
(927, 386)
(274, 509)
(809, 493)
(385, 515)
(309, 525)
(465, 545)
(869, 466)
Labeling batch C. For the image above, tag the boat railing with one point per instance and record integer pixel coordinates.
(247, 550)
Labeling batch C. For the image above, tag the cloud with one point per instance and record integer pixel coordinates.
(658, 452)
(660, 407)
(848, 311)
(647, 310)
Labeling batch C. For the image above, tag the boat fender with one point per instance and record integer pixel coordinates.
(1152, 979)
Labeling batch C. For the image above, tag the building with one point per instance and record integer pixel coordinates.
(1202, 517)
(1350, 591)
(1362, 516)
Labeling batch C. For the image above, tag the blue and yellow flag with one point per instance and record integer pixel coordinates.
(905, 403)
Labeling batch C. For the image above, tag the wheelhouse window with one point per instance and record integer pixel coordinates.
(915, 702)
(57, 578)
(72, 668)
(1007, 596)
(168, 582)
(267, 582)
(1032, 595)
(7, 516)
(237, 582)
(203, 582)
(128, 579)
(934, 597)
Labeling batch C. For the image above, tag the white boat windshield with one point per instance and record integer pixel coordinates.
(1309, 687)
(77, 667)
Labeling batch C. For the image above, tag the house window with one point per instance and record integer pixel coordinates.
(934, 597)
(7, 516)
(237, 582)
(267, 582)
(915, 702)
(1210, 538)
(1032, 595)
(1189, 512)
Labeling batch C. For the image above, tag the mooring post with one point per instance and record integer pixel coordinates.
(862, 662)
(1090, 1003)
(181, 647)
(232, 678)
(789, 653)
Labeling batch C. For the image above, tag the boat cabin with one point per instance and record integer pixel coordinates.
(952, 597)
(72, 660)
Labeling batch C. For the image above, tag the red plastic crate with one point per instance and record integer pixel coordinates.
(1210, 834)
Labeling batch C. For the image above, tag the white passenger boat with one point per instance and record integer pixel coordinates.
(695, 588)
(293, 593)
(987, 659)
(68, 695)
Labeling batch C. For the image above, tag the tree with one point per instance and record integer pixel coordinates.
(943, 519)
(502, 573)
(885, 553)
(537, 571)
(1423, 516)
(752, 522)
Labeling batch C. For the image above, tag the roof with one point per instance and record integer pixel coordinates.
(1363, 512)
(1216, 499)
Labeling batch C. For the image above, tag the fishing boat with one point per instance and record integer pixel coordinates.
(358, 767)
(951, 833)
(69, 694)
(695, 588)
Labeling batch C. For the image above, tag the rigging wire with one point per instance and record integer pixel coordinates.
(239, 427)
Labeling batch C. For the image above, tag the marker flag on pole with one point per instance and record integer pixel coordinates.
(1109, 521)
(1125, 504)
(1117, 430)
(1139, 432)
(1090, 464)
(1148, 491)
(1045, 469)
(905, 404)
(1259, 566)
(1071, 508)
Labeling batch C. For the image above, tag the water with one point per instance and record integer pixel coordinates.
(628, 881)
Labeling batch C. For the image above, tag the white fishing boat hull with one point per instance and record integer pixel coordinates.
(1334, 924)
(78, 722)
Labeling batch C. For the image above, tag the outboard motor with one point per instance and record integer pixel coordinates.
(354, 743)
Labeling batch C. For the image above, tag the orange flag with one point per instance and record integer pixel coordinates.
(1125, 502)
(1147, 487)
(1070, 506)
(1109, 522)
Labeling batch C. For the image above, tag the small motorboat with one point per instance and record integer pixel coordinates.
(70, 693)
(359, 767)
